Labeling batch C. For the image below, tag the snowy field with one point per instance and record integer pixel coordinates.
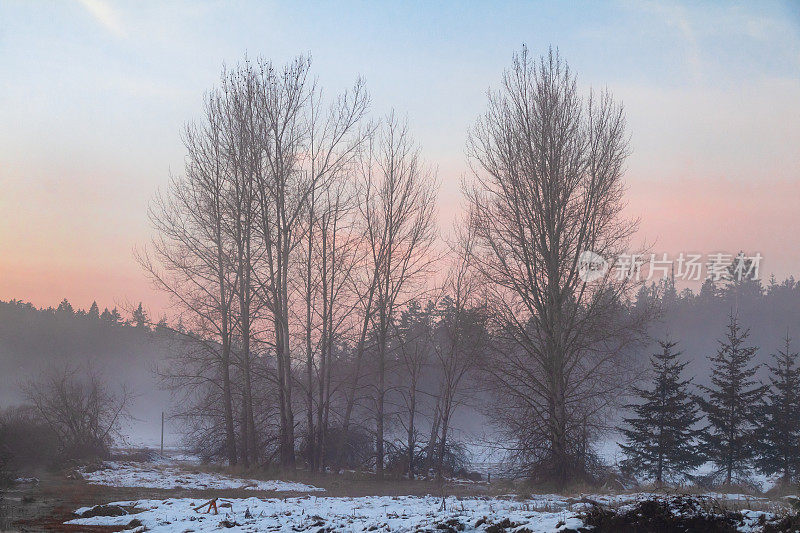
(313, 512)
(404, 513)
(164, 476)
(401, 514)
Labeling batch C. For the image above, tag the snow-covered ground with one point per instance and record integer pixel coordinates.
(547, 513)
(159, 475)
(404, 513)
(313, 513)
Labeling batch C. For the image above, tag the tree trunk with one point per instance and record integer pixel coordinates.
(312, 454)
(430, 453)
(442, 443)
(411, 440)
(230, 437)
(380, 411)
(248, 388)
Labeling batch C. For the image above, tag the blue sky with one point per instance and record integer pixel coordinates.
(93, 95)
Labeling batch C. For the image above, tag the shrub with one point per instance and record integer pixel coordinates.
(80, 409)
(26, 443)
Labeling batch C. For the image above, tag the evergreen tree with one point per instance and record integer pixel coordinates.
(779, 424)
(65, 307)
(94, 311)
(646, 297)
(731, 404)
(660, 438)
(708, 291)
(741, 279)
(161, 326)
(139, 317)
(116, 318)
(106, 315)
(670, 292)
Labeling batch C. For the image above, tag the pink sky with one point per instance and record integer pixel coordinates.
(94, 95)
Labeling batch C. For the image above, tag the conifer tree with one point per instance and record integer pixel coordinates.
(731, 404)
(139, 317)
(106, 314)
(660, 438)
(708, 291)
(65, 307)
(116, 318)
(162, 326)
(94, 311)
(779, 424)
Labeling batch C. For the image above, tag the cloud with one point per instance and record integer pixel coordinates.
(105, 15)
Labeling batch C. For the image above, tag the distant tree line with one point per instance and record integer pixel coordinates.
(138, 318)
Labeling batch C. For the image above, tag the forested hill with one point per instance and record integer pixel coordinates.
(123, 351)
(696, 321)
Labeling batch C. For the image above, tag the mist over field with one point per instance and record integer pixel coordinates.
(32, 339)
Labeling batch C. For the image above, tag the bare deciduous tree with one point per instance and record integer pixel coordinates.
(397, 208)
(80, 408)
(190, 259)
(299, 157)
(336, 137)
(548, 168)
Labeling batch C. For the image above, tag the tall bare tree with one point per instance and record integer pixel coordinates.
(548, 168)
(231, 229)
(241, 143)
(298, 159)
(336, 137)
(190, 258)
(397, 207)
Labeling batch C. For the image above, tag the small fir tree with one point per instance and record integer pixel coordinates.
(65, 307)
(731, 404)
(660, 438)
(161, 326)
(140, 317)
(779, 424)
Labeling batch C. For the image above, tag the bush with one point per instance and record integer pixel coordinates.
(26, 443)
(352, 449)
(454, 463)
(79, 408)
(681, 513)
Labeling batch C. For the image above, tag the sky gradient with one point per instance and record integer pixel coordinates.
(93, 95)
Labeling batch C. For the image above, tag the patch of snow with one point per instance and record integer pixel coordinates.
(541, 513)
(163, 476)
(401, 514)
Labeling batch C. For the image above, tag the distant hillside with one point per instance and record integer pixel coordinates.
(33, 339)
